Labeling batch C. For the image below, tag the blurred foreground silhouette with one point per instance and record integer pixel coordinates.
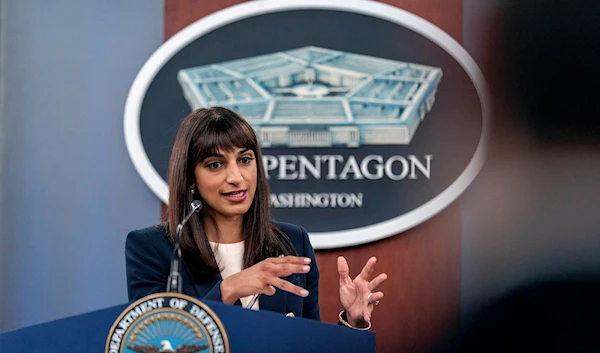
(536, 209)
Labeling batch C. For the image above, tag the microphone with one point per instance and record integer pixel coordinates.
(174, 281)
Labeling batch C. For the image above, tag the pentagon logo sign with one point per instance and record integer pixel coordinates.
(167, 322)
(314, 97)
(371, 119)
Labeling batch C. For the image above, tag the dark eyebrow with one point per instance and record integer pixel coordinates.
(244, 151)
(219, 155)
(216, 155)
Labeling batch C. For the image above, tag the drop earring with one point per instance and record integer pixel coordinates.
(192, 190)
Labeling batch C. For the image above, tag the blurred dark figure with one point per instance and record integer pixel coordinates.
(554, 316)
(553, 62)
(536, 209)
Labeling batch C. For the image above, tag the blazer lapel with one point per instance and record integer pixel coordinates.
(201, 282)
(276, 302)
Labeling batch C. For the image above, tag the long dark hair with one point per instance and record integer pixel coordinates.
(203, 133)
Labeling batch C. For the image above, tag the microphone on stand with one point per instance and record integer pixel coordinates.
(174, 281)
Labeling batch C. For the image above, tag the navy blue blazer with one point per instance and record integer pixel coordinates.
(148, 254)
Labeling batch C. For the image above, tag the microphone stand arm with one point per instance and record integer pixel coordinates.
(174, 280)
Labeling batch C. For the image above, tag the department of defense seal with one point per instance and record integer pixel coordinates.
(169, 323)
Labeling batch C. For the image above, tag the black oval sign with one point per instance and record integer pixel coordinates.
(371, 119)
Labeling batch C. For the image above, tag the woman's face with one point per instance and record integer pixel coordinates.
(227, 181)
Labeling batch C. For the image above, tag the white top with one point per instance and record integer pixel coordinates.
(230, 258)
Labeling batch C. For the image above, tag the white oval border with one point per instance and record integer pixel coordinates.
(319, 240)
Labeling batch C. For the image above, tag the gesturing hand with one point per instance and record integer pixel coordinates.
(357, 296)
(263, 277)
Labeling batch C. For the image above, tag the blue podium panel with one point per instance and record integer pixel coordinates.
(81, 333)
(247, 331)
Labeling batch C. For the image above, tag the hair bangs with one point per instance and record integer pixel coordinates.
(223, 133)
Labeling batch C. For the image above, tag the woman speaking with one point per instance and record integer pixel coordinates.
(233, 252)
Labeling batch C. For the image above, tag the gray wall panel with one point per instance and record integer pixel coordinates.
(69, 192)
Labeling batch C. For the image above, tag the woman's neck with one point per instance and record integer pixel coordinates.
(230, 229)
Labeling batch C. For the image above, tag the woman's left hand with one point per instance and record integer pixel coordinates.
(357, 296)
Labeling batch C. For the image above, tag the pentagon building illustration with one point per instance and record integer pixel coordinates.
(316, 97)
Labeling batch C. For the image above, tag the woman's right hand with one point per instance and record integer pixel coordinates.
(263, 277)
